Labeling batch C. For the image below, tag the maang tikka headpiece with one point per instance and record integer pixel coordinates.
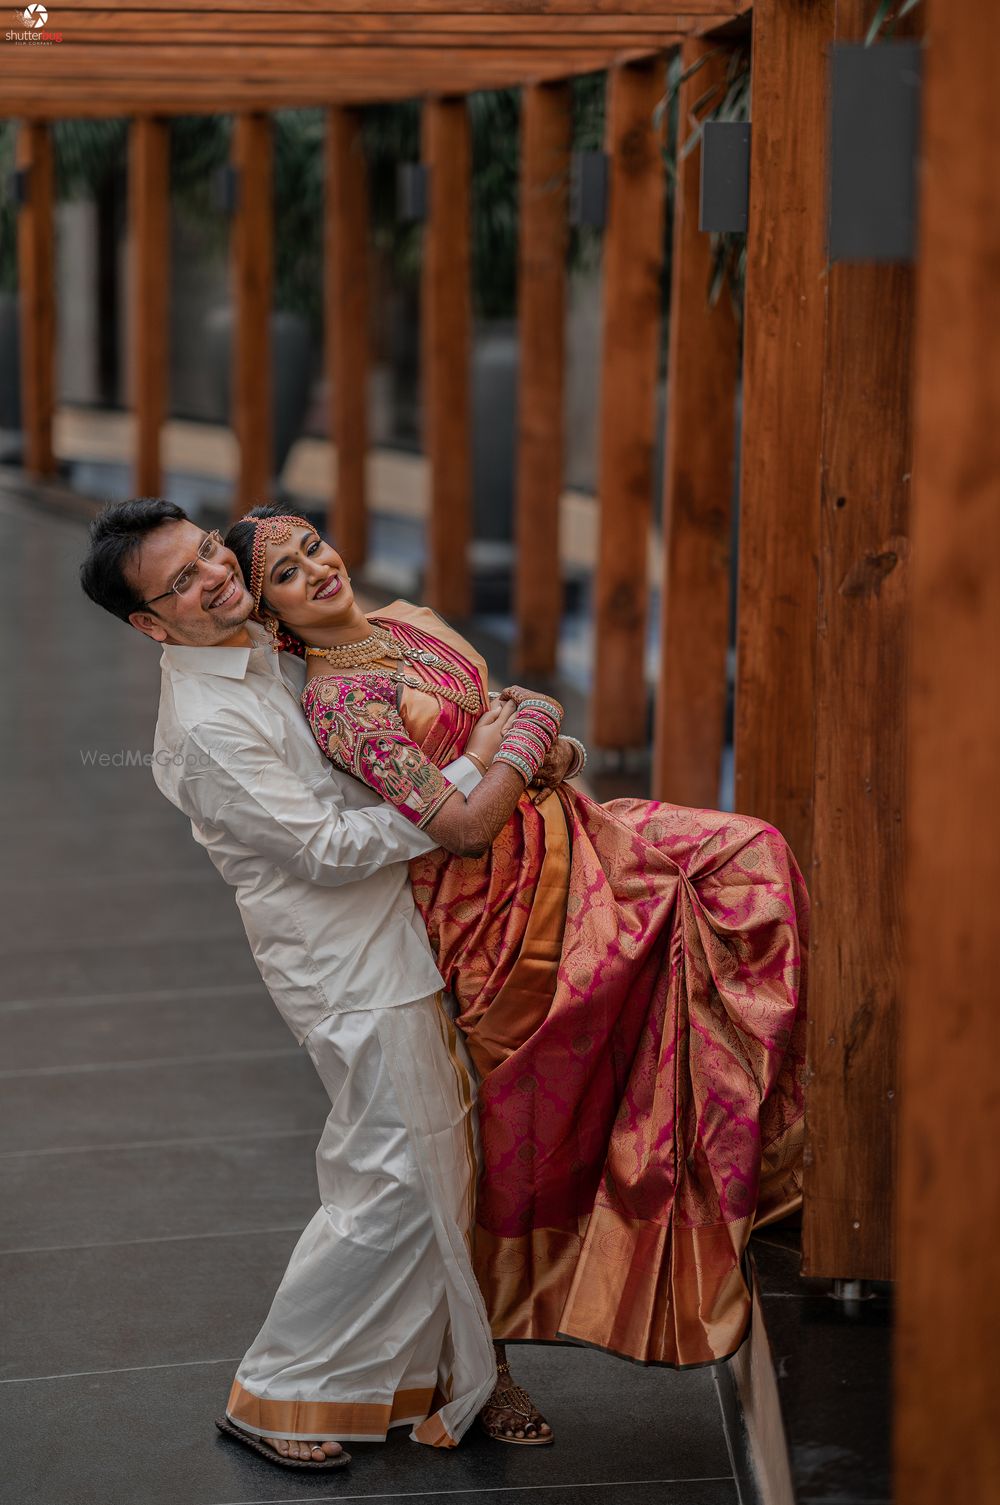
(268, 530)
(272, 530)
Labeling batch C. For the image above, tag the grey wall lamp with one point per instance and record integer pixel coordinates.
(588, 189)
(874, 142)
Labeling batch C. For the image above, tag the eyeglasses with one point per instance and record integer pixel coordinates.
(186, 577)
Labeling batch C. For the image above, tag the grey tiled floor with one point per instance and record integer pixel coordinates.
(157, 1127)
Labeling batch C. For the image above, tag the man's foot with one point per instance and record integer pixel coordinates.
(288, 1453)
(307, 1452)
(510, 1415)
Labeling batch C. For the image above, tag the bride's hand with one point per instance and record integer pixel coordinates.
(487, 734)
(559, 760)
(514, 694)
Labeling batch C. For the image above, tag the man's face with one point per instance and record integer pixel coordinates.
(213, 607)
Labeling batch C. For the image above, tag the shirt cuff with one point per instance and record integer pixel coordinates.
(464, 774)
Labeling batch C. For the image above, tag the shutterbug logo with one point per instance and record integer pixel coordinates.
(33, 20)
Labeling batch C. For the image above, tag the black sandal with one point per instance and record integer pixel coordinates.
(225, 1425)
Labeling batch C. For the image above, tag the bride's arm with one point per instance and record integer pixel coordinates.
(357, 726)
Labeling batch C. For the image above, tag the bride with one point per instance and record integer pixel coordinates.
(630, 979)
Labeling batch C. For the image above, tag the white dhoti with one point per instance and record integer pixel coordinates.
(378, 1320)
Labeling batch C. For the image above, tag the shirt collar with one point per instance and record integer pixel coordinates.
(228, 663)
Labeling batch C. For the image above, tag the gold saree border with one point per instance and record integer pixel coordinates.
(333, 1421)
(664, 1295)
(673, 1296)
(656, 1294)
(525, 1281)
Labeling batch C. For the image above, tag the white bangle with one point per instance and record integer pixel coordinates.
(581, 756)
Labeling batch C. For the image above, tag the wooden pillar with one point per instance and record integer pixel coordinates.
(149, 224)
(860, 698)
(785, 318)
(446, 336)
(702, 370)
(253, 270)
(546, 134)
(37, 294)
(948, 1298)
(346, 209)
(633, 254)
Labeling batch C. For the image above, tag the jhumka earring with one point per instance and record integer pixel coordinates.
(274, 628)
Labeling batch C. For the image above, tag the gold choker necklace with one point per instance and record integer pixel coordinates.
(378, 644)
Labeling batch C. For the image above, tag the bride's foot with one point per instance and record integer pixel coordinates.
(307, 1452)
(510, 1415)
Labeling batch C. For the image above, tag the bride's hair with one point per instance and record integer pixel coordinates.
(240, 539)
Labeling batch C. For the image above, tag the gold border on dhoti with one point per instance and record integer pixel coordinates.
(337, 1421)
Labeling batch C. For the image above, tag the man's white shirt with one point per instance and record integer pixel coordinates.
(317, 859)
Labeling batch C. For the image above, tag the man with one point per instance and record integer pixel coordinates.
(378, 1320)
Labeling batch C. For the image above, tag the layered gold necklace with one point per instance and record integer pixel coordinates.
(380, 644)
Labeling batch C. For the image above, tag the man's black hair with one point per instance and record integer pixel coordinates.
(115, 536)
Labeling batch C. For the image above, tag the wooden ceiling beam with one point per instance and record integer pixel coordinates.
(241, 64)
(513, 11)
(263, 28)
(33, 99)
(439, 45)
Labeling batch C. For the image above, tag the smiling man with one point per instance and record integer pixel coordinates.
(378, 1320)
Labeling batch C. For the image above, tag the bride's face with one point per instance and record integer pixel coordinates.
(305, 583)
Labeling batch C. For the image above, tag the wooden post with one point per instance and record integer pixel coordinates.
(36, 284)
(785, 321)
(546, 133)
(633, 254)
(253, 263)
(860, 699)
(346, 208)
(149, 217)
(698, 483)
(446, 335)
(948, 1299)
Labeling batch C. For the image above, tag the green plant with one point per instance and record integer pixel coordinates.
(495, 128)
(392, 137)
(887, 13)
(88, 154)
(298, 212)
(589, 94)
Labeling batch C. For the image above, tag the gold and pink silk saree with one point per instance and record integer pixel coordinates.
(631, 982)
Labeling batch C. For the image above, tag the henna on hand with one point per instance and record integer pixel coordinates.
(470, 826)
(560, 759)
